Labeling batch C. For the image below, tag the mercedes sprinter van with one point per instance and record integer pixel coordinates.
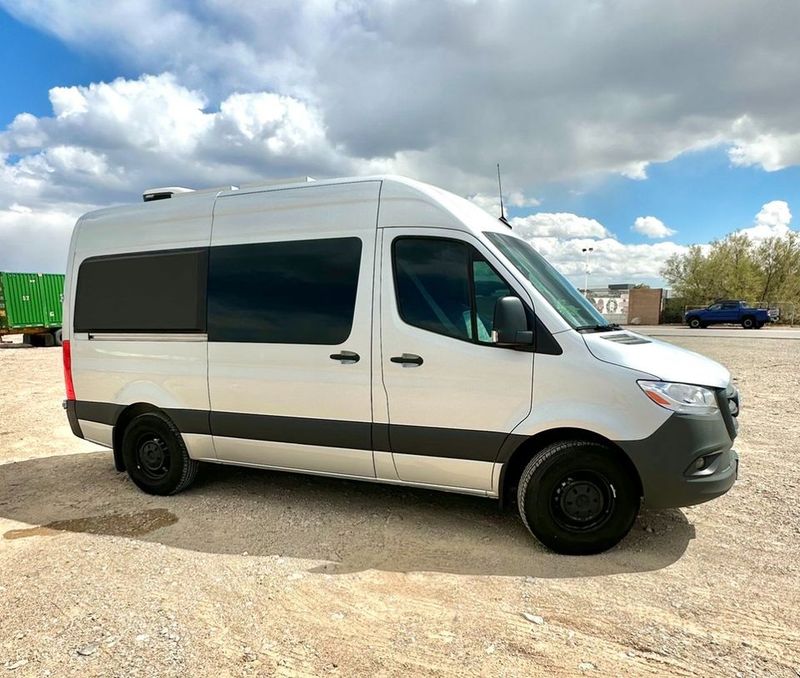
(379, 329)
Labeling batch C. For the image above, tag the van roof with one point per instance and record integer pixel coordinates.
(408, 202)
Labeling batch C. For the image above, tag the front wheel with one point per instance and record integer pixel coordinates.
(695, 323)
(577, 498)
(155, 455)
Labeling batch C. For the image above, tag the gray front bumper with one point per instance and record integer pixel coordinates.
(666, 461)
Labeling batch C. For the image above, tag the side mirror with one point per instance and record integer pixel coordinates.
(510, 323)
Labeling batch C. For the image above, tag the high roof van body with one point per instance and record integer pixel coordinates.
(379, 329)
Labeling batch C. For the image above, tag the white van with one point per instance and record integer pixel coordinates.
(386, 330)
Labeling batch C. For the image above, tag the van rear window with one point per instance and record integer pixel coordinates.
(299, 292)
(154, 292)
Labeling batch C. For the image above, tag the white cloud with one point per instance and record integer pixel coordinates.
(611, 261)
(491, 203)
(113, 136)
(36, 240)
(652, 227)
(390, 78)
(773, 220)
(772, 148)
(558, 225)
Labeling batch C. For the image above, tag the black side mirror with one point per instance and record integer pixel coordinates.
(510, 323)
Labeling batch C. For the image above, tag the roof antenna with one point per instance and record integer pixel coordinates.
(502, 208)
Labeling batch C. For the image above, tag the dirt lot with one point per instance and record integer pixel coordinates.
(259, 573)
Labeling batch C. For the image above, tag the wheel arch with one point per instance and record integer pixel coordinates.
(123, 419)
(512, 468)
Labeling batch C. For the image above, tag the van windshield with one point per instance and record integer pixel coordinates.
(562, 295)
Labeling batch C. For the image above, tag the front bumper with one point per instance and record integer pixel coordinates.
(669, 461)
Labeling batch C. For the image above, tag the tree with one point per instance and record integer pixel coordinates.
(778, 262)
(737, 268)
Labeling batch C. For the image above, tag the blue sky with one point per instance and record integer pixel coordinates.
(700, 194)
(602, 115)
(34, 62)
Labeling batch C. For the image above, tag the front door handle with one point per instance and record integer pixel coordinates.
(346, 357)
(407, 359)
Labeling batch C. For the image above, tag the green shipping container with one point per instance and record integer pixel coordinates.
(30, 301)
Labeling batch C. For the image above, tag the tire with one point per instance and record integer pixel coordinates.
(57, 337)
(695, 323)
(155, 455)
(605, 498)
(748, 322)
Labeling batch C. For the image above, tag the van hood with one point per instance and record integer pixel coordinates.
(664, 361)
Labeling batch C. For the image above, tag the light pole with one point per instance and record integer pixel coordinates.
(587, 251)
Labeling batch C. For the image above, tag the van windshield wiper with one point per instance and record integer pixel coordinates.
(598, 328)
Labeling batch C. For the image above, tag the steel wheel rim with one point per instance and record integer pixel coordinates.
(582, 501)
(152, 457)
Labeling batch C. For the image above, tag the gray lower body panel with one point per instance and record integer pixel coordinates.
(667, 461)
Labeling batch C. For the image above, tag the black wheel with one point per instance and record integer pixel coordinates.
(577, 498)
(57, 337)
(748, 322)
(155, 455)
(695, 323)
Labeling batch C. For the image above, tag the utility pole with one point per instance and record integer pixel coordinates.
(587, 251)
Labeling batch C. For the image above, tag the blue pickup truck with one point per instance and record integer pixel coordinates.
(720, 312)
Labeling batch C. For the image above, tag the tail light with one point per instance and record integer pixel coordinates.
(67, 354)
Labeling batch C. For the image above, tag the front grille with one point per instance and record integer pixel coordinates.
(728, 401)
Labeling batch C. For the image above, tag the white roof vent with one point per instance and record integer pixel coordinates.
(164, 192)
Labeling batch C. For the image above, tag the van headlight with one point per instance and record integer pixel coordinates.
(681, 398)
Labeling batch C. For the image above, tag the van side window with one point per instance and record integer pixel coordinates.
(446, 286)
(298, 292)
(489, 287)
(162, 291)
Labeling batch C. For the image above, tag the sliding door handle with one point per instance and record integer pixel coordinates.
(407, 359)
(346, 357)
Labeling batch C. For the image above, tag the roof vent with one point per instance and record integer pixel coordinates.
(163, 193)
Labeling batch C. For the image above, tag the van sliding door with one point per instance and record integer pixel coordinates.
(289, 326)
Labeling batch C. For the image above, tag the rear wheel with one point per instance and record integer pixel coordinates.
(155, 455)
(577, 498)
(57, 337)
(695, 323)
(748, 322)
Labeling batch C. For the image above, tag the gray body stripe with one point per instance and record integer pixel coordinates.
(403, 439)
(305, 431)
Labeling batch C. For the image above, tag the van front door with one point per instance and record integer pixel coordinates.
(452, 396)
(289, 328)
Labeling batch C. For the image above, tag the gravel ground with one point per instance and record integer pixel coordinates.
(260, 573)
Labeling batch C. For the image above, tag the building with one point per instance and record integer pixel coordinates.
(626, 304)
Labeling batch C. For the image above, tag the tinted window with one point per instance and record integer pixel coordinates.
(432, 279)
(143, 292)
(489, 287)
(300, 292)
(715, 307)
(446, 287)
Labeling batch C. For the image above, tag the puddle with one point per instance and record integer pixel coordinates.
(113, 524)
